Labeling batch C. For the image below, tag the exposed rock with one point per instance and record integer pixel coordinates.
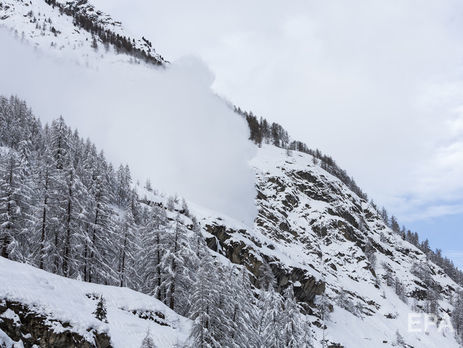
(33, 328)
(240, 253)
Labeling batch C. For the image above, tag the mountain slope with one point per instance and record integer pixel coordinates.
(68, 306)
(75, 30)
(319, 237)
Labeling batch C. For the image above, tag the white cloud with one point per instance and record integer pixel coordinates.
(433, 211)
(165, 123)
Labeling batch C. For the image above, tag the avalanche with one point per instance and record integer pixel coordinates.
(316, 240)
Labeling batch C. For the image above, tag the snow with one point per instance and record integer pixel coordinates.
(67, 300)
(372, 331)
(9, 314)
(8, 342)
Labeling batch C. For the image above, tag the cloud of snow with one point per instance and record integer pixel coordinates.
(352, 78)
(166, 124)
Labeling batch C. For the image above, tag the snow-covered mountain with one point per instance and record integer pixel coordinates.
(330, 245)
(355, 279)
(75, 30)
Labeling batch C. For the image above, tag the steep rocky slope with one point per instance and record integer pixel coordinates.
(319, 236)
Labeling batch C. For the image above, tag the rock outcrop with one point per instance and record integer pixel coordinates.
(24, 324)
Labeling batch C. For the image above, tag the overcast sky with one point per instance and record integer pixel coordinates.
(376, 84)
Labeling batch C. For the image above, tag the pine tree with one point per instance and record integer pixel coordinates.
(148, 341)
(45, 181)
(100, 311)
(243, 315)
(399, 340)
(129, 247)
(76, 198)
(271, 329)
(154, 247)
(174, 278)
(123, 187)
(100, 241)
(394, 224)
(203, 298)
(370, 254)
(59, 142)
(13, 206)
(291, 320)
(457, 315)
(266, 278)
(400, 290)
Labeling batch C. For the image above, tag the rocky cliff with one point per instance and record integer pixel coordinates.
(331, 245)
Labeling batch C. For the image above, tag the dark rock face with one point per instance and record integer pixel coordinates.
(33, 328)
(240, 253)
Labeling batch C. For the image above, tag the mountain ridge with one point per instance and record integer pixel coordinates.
(66, 26)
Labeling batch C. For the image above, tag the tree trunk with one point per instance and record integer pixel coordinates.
(67, 244)
(44, 226)
(123, 260)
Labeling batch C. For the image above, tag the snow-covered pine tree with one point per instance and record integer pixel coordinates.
(370, 254)
(457, 316)
(101, 250)
(60, 147)
(198, 243)
(400, 290)
(266, 278)
(291, 321)
(45, 178)
(14, 206)
(203, 299)
(100, 311)
(123, 186)
(153, 240)
(148, 341)
(269, 324)
(174, 275)
(129, 248)
(76, 198)
(399, 340)
(242, 315)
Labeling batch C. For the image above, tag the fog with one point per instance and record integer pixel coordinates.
(166, 124)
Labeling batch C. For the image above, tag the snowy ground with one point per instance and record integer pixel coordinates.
(66, 300)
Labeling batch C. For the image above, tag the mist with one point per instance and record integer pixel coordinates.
(166, 124)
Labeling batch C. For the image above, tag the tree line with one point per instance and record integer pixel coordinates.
(89, 22)
(435, 256)
(262, 131)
